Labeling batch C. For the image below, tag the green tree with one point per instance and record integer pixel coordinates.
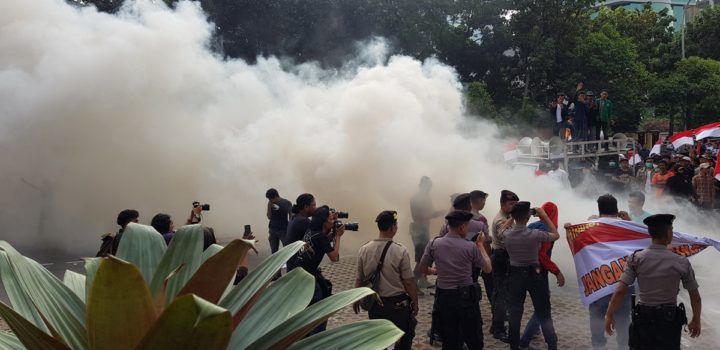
(651, 32)
(703, 34)
(478, 100)
(610, 60)
(691, 92)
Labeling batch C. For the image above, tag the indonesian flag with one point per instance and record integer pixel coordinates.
(601, 248)
(511, 152)
(634, 158)
(656, 148)
(682, 138)
(709, 130)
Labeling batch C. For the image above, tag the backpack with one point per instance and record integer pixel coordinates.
(373, 282)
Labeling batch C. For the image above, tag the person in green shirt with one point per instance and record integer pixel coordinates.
(636, 200)
(605, 115)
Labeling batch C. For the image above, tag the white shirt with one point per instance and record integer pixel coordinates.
(558, 113)
(560, 176)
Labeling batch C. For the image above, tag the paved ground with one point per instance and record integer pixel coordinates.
(569, 316)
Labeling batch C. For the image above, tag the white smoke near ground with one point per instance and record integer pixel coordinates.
(105, 112)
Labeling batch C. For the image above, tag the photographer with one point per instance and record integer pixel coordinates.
(278, 213)
(196, 213)
(322, 238)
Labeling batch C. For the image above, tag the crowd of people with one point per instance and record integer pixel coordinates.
(511, 253)
(582, 116)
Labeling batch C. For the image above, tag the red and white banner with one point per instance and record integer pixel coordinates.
(682, 138)
(657, 147)
(601, 248)
(709, 130)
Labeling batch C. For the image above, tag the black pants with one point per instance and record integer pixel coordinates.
(500, 263)
(488, 282)
(275, 237)
(525, 280)
(656, 328)
(460, 319)
(398, 311)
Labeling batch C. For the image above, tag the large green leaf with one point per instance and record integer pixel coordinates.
(369, 334)
(91, 266)
(296, 327)
(76, 283)
(120, 308)
(274, 307)
(20, 301)
(190, 323)
(211, 250)
(212, 278)
(185, 250)
(30, 336)
(144, 247)
(9, 341)
(248, 288)
(60, 307)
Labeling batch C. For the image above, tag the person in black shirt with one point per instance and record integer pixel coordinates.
(278, 212)
(622, 177)
(302, 210)
(322, 238)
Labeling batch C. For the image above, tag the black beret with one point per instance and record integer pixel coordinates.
(459, 215)
(461, 200)
(659, 220)
(387, 216)
(520, 207)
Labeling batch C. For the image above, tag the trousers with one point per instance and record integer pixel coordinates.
(657, 327)
(524, 280)
(500, 263)
(460, 319)
(397, 310)
(534, 324)
(622, 322)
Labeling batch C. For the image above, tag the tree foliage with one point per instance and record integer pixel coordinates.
(703, 34)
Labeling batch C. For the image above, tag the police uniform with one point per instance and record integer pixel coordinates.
(396, 303)
(457, 297)
(525, 276)
(500, 264)
(657, 319)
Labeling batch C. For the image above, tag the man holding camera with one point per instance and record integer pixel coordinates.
(457, 298)
(396, 287)
(525, 273)
(278, 213)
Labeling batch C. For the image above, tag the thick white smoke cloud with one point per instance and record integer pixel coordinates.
(101, 113)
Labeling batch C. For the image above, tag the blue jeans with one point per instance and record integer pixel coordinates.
(622, 321)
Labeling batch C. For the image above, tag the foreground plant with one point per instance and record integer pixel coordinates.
(155, 297)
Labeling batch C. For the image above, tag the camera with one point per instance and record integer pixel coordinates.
(349, 226)
(342, 214)
(205, 207)
(533, 212)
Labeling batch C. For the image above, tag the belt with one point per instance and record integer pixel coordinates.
(454, 291)
(525, 268)
(395, 298)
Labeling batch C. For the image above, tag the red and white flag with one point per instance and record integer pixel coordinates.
(657, 147)
(682, 138)
(601, 248)
(716, 173)
(709, 130)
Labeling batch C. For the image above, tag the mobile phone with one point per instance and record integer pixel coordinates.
(248, 231)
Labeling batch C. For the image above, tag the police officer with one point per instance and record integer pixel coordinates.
(457, 296)
(657, 319)
(500, 263)
(525, 274)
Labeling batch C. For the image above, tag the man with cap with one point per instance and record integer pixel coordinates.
(500, 264)
(457, 296)
(522, 246)
(657, 319)
(396, 287)
(477, 201)
(422, 211)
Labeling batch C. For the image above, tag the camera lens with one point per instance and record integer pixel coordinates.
(352, 226)
(343, 215)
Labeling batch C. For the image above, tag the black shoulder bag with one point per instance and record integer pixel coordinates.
(373, 282)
